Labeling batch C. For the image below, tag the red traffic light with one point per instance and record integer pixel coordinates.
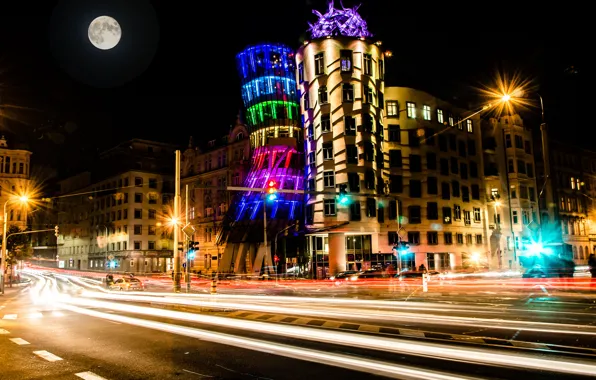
(272, 183)
(276, 258)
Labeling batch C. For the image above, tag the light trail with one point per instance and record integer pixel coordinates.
(395, 345)
(359, 364)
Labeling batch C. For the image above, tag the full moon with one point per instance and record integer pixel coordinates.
(104, 32)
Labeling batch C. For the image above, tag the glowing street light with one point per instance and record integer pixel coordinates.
(23, 200)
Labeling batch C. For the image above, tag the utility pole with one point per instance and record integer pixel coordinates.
(265, 228)
(187, 248)
(176, 220)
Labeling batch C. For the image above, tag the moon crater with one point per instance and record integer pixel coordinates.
(104, 32)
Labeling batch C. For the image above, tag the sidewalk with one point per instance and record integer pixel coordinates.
(13, 292)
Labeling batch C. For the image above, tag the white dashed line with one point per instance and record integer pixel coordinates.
(89, 376)
(116, 323)
(35, 315)
(10, 316)
(3, 332)
(47, 356)
(19, 341)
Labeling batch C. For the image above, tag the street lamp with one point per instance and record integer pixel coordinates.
(22, 199)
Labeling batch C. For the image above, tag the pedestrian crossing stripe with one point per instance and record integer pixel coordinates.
(10, 316)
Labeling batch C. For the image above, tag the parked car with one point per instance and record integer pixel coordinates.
(345, 275)
(126, 284)
(368, 274)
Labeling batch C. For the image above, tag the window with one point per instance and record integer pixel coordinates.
(351, 154)
(515, 217)
(432, 211)
(328, 151)
(440, 116)
(369, 179)
(396, 184)
(354, 182)
(521, 167)
(369, 95)
(469, 126)
(350, 126)
(368, 67)
(527, 147)
(152, 214)
(348, 92)
(508, 141)
(432, 186)
(329, 179)
(456, 212)
(414, 238)
(451, 120)
(371, 207)
(392, 109)
(448, 237)
(415, 188)
(467, 218)
(510, 166)
(323, 96)
(414, 214)
(444, 166)
(325, 123)
(471, 147)
(473, 170)
(138, 181)
(346, 61)
(138, 198)
(411, 108)
(463, 170)
(519, 142)
(138, 229)
(301, 72)
(138, 213)
(152, 230)
(306, 100)
(431, 161)
(443, 143)
(426, 112)
(446, 215)
(367, 123)
(415, 163)
(319, 64)
(394, 133)
(152, 198)
(329, 207)
(465, 194)
(432, 237)
(392, 237)
(445, 191)
(381, 70)
(460, 238)
(478, 239)
(137, 245)
(530, 171)
(395, 158)
(477, 215)
(355, 211)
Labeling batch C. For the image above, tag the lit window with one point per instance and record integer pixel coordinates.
(573, 183)
(319, 64)
(346, 61)
(440, 116)
(451, 121)
(411, 107)
(392, 108)
(426, 112)
(469, 126)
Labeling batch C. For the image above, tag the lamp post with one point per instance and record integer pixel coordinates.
(23, 199)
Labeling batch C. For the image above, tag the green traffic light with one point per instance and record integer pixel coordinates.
(344, 200)
(271, 197)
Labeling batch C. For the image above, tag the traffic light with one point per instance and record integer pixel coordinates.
(56, 231)
(403, 247)
(344, 199)
(271, 190)
(193, 247)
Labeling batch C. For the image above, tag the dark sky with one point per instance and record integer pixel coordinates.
(173, 74)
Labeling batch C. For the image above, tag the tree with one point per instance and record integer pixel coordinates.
(17, 245)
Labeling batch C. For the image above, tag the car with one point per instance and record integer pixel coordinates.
(417, 275)
(368, 274)
(345, 275)
(126, 284)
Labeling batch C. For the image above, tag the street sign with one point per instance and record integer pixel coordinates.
(110, 257)
(188, 230)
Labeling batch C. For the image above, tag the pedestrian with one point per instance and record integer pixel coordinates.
(592, 265)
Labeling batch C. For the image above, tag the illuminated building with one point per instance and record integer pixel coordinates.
(268, 78)
(14, 180)
(572, 215)
(117, 212)
(511, 190)
(341, 82)
(207, 170)
(433, 183)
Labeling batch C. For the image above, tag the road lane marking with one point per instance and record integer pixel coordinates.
(37, 315)
(116, 323)
(89, 376)
(19, 341)
(57, 314)
(10, 316)
(3, 332)
(47, 356)
(196, 373)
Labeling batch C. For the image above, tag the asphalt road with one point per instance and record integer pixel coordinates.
(42, 339)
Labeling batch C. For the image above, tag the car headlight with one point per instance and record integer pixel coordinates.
(353, 278)
(332, 278)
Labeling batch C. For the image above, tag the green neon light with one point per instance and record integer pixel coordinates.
(271, 110)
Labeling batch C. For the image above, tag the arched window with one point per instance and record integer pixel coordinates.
(239, 136)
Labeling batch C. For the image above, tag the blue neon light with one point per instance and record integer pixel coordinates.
(268, 85)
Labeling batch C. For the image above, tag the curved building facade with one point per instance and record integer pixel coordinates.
(341, 81)
(268, 78)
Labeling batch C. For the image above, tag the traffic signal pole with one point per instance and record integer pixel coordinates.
(186, 245)
(176, 228)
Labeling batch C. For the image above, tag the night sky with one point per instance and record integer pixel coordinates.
(173, 75)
